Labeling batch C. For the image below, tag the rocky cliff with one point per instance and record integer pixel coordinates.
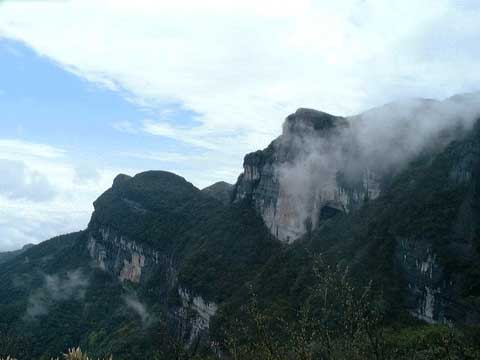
(324, 164)
(403, 154)
(302, 177)
(430, 211)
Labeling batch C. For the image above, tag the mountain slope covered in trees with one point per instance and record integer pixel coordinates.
(322, 238)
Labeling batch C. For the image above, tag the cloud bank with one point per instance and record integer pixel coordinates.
(44, 192)
(18, 182)
(242, 65)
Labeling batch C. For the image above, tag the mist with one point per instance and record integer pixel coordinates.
(345, 164)
(138, 308)
(56, 288)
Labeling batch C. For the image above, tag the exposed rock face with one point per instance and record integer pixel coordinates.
(438, 266)
(124, 258)
(323, 163)
(203, 310)
(300, 180)
(433, 292)
(428, 287)
(130, 261)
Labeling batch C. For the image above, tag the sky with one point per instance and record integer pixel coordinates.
(93, 88)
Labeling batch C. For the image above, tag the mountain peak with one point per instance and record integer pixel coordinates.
(305, 119)
(121, 179)
(150, 190)
(153, 180)
(222, 191)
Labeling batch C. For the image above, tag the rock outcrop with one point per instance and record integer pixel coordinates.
(203, 310)
(426, 280)
(131, 261)
(124, 258)
(301, 178)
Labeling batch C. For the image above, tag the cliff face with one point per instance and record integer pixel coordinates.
(125, 259)
(432, 211)
(414, 164)
(132, 262)
(324, 164)
(301, 178)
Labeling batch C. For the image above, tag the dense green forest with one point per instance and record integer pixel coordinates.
(338, 321)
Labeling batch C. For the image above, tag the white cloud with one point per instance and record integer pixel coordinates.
(164, 156)
(86, 173)
(21, 149)
(125, 126)
(244, 65)
(23, 223)
(196, 136)
(19, 182)
(44, 192)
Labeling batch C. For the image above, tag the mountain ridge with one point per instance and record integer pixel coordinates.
(160, 253)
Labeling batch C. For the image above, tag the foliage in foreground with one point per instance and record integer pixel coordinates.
(73, 354)
(337, 322)
(340, 322)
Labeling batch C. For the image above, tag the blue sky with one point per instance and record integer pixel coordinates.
(97, 131)
(42, 102)
(89, 88)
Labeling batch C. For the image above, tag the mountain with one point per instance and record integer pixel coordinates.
(4, 256)
(391, 194)
(156, 251)
(221, 191)
(324, 163)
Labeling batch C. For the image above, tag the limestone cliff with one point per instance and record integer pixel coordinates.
(324, 164)
(128, 239)
(130, 261)
(125, 258)
(417, 160)
(434, 224)
(302, 177)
